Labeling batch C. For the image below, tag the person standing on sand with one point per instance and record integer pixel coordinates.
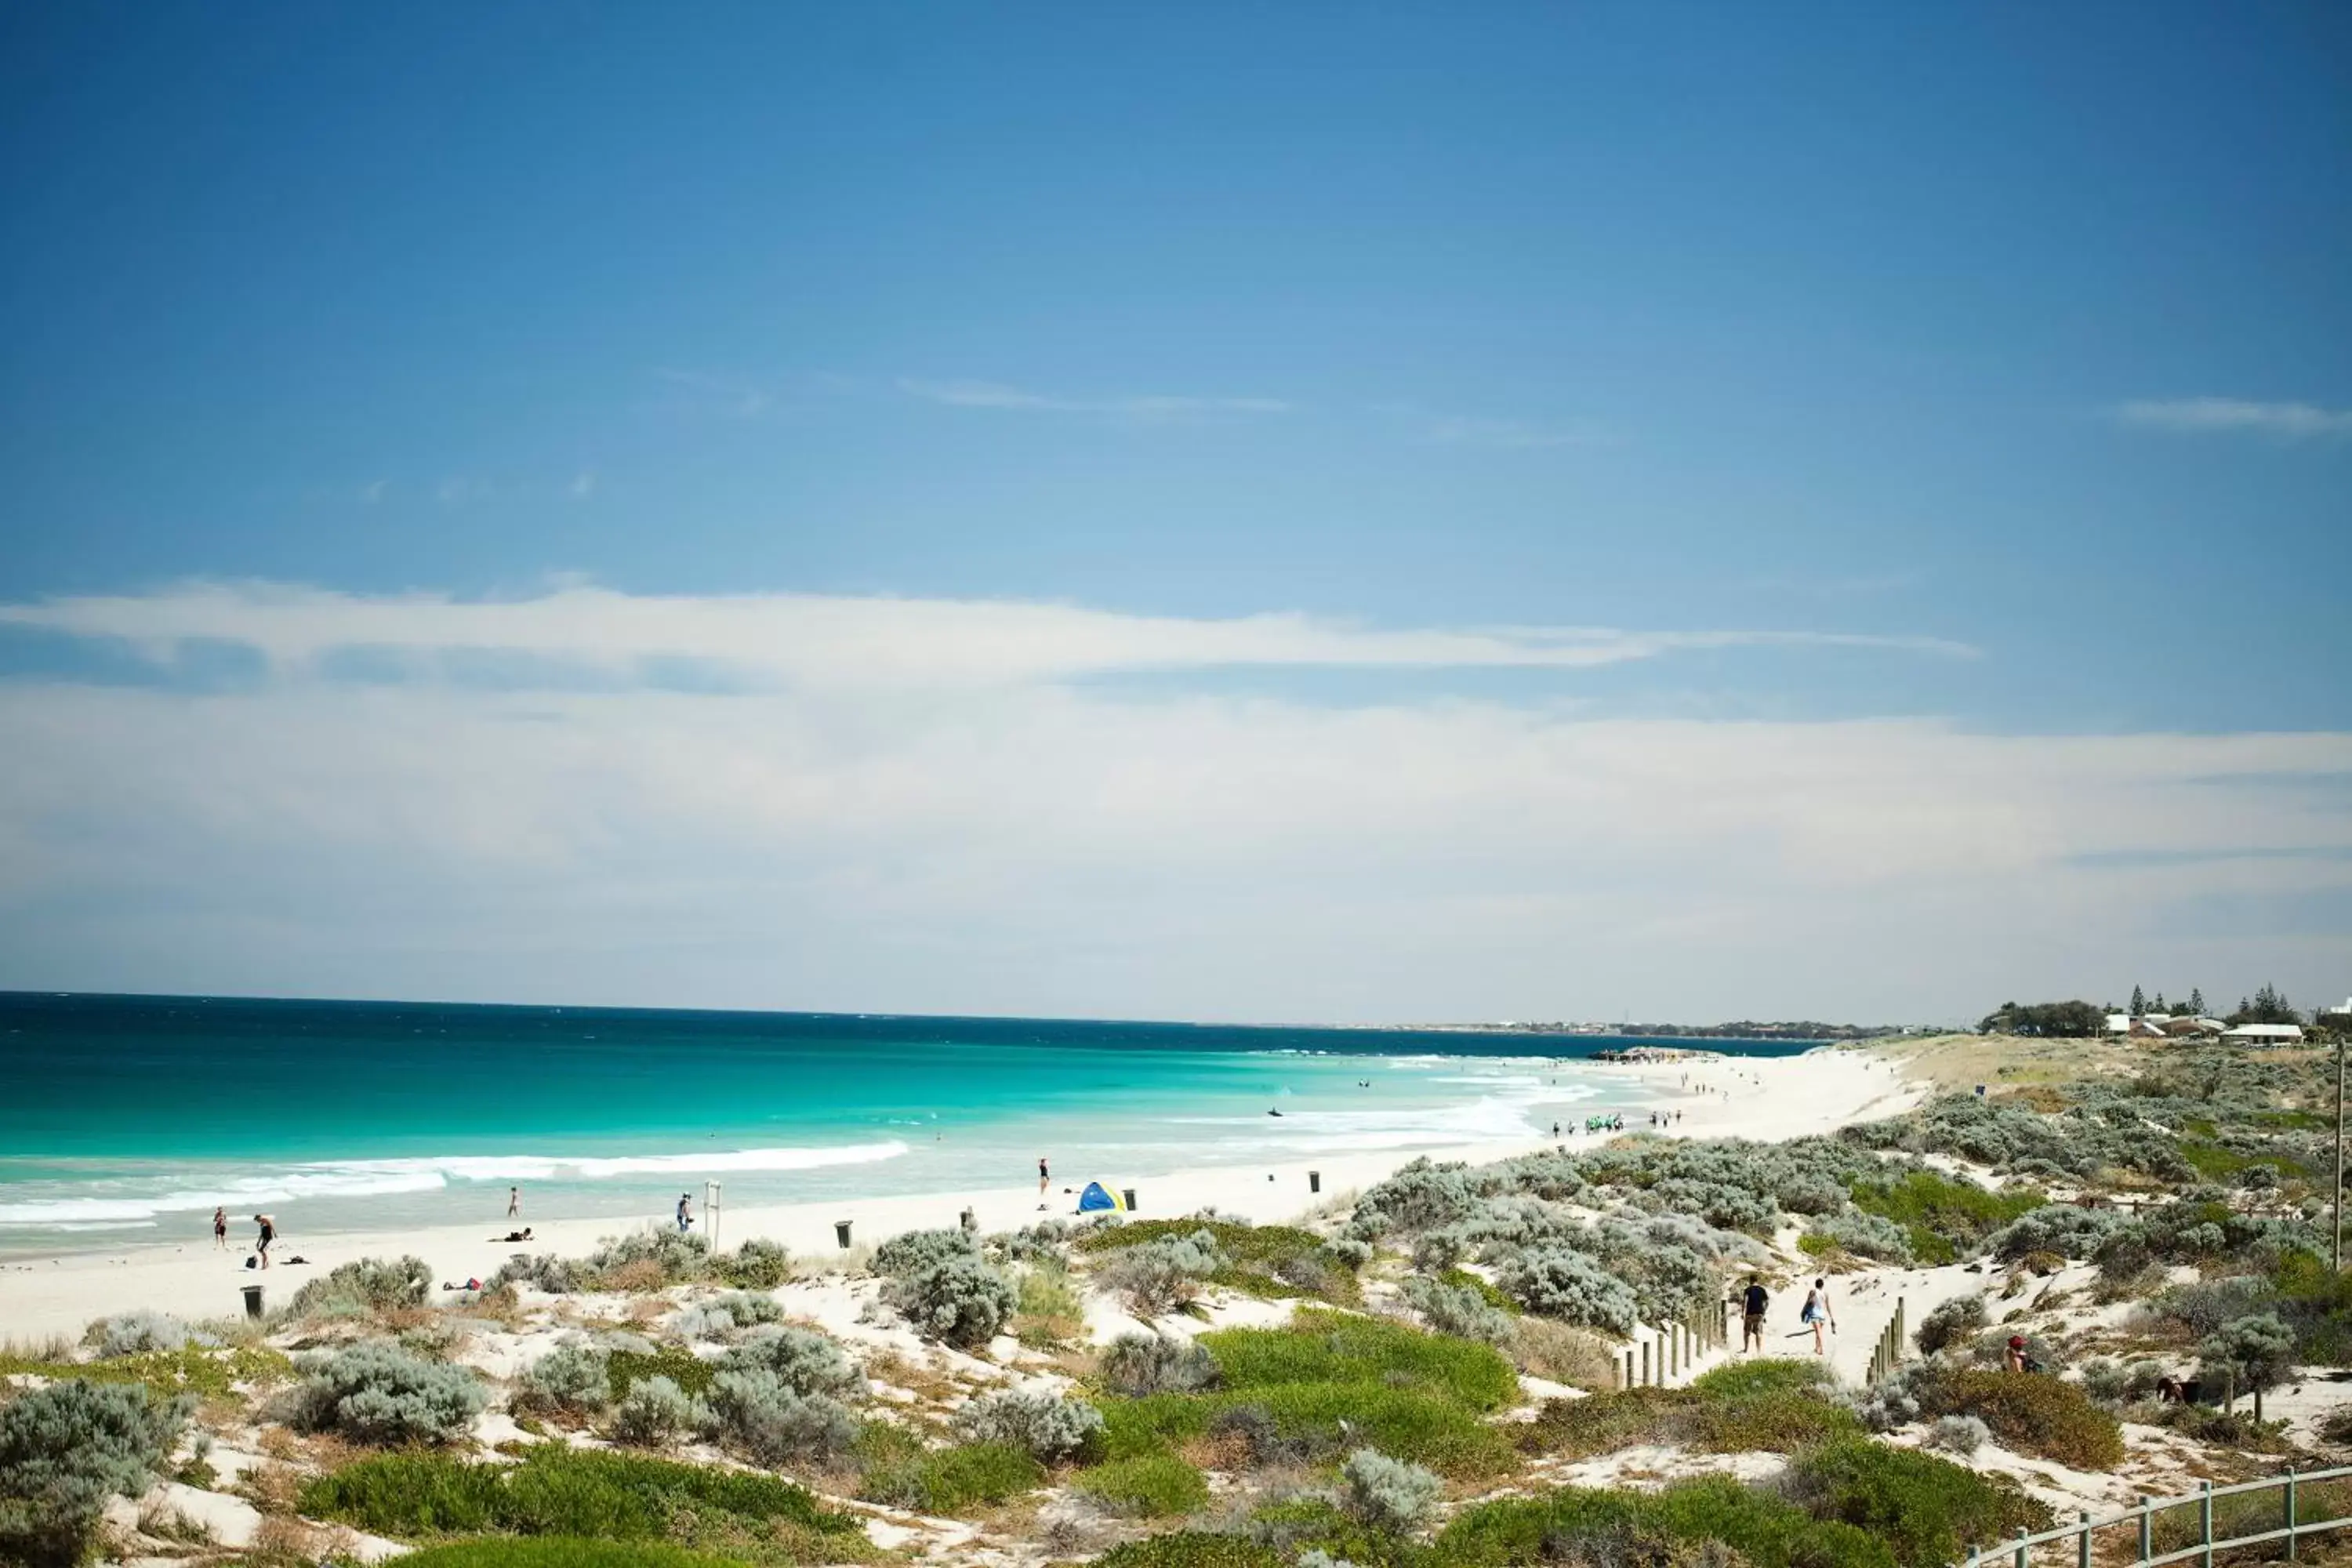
(1752, 1302)
(1044, 1178)
(268, 1233)
(684, 1212)
(220, 1229)
(514, 1203)
(1817, 1313)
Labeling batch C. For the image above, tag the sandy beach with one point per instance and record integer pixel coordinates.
(1774, 1098)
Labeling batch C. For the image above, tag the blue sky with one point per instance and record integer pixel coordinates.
(1982, 373)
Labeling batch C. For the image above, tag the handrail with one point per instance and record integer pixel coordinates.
(2291, 1529)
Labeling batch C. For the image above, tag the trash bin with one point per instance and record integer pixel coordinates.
(1314, 1181)
(253, 1300)
(1128, 1194)
(841, 1232)
(966, 1221)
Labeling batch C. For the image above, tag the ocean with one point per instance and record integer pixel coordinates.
(126, 1119)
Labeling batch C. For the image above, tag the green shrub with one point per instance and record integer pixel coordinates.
(960, 1300)
(689, 1372)
(571, 1379)
(558, 1552)
(1772, 1405)
(375, 1392)
(192, 1368)
(1156, 1486)
(647, 1259)
(758, 1264)
(1927, 1511)
(1137, 1364)
(369, 1285)
(656, 1412)
(803, 1360)
(773, 1423)
(1768, 1531)
(1267, 1260)
(1949, 1323)
(1460, 1311)
(1388, 1495)
(911, 1252)
(137, 1333)
(1323, 1346)
(1190, 1548)
(949, 1481)
(1161, 1275)
(558, 1490)
(68, 1448)
(2035, 1415)
(1038, 1421)
(1942, 1214)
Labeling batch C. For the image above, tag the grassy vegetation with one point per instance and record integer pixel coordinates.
(1940, 1213)
(1321, 1346)
(561, 1552)
(190, 1370)
(1151, 1485)
(562, 1491)
(2043, 1417)
(682, 1366)
(1278, 1262)
(901, 1473)
(1048, 1312)
(1494, 1295)
(1634, 1527)
(1927, 1511)
(1190, 1548)
(1778, 1407)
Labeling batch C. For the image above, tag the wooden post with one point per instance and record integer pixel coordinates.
(2292, 1550)
(2230, 1390)
(1628, 1383)
(1645, 1363)
(2146, 1529)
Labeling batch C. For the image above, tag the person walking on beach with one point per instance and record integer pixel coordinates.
(684, 1212)
(1044, 1178)
(514, 1203)
(268, 1233)
(220, 1229)
(1816, 1314)
(1752, 1302)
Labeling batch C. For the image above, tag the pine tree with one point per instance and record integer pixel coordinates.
(2196, 1002)
(2159, 1007)
(2139, 1002)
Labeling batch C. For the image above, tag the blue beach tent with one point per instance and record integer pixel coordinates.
(1100, 1199)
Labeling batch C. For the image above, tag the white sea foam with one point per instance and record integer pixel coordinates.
(377, 1178)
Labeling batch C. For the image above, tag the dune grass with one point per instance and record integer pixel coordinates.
(1775, 1407)
(1279, 1262)
(193, 1369)
(561, 1552)
(1152, 1485)
(1940, 1213)
(901, 1473)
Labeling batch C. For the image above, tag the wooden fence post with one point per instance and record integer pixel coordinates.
(2291, 1554)
(2146, 1529)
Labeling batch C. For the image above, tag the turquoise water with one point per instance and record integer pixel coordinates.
(128, 1119)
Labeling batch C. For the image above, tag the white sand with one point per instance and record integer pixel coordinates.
(1764, 1098)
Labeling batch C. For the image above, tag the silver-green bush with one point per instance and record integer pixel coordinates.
(1557, 1283)
(1140, 1364)
(801, 1359)
(758, 1413)
(571, 1379)
(369, 1285)
(656, 1412)
(133, 1333)
(912, 1252)
(1049, 1426)
(65, 1449)
(1388, 1494)
(1159, 1276)
(378, 1392)
(1459, 1309)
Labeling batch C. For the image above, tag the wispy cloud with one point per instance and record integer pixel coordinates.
(582, 485)
(373, 491)
(854, 640)
(458, 490)
(711, 392)
(2229, 415)
(1465, 430)
(992, 394)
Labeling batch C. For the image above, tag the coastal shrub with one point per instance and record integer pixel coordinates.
(1569, 1286)
(1775, 1407)
(1323, 1346)
(1137, 1364)
(1267, 1260)
(769, 1421)
(758, 1264)
(1190, 1548)
(648, 1259)
(704, 1322)
(959, 1300)
(2062, 1228)
(1942, 1215)
(1042, 1423)
(1048, 1310)
(1926, 1510)
(375, 1392)
(951, 1482)
(139, 1332)
(1163, 1274)
(1348, 1252)
(1578, 1526)
(543, 1271)
(1949, 1323)
(571, 1380)
(369, 1285)
(1388, 1494)
(655, 1413)
(559, 1551)
(1421, 1196)
(742, 1310)
(2032, 1414)
(1047, 1241)
(1863, 1235)
(1461, 1311)
(803, 1360)
(626, 1364)
(1154, 1485)
(912, 1252)
(2249, 1353)
(65, 1449)
(558, 1490)
(1577, 1357)
(2202, 1306)
(1960, 1436)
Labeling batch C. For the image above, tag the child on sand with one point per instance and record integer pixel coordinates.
(220, 1229)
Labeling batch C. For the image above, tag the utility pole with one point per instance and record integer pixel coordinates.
(2340, 1039)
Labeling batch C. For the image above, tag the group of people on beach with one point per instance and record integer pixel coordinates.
(1816, 1315)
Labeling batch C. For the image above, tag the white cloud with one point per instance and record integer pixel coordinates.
(1021, 843)
(373, 491)
(1148, 406)
(582, 485)
(2207, 416)
(847, 641)
(1459, 430)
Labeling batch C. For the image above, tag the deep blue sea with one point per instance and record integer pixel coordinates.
(127, 1119)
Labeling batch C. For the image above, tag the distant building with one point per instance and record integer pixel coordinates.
(2262, 1032)
(2144, 1028)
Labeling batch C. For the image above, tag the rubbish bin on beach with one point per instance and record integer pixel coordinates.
(967, 1221)
(1128, 1194)
(253, 1300)
(841, 1232)
(1314, 1181)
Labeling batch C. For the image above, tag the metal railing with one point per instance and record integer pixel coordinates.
(2290, 1527)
